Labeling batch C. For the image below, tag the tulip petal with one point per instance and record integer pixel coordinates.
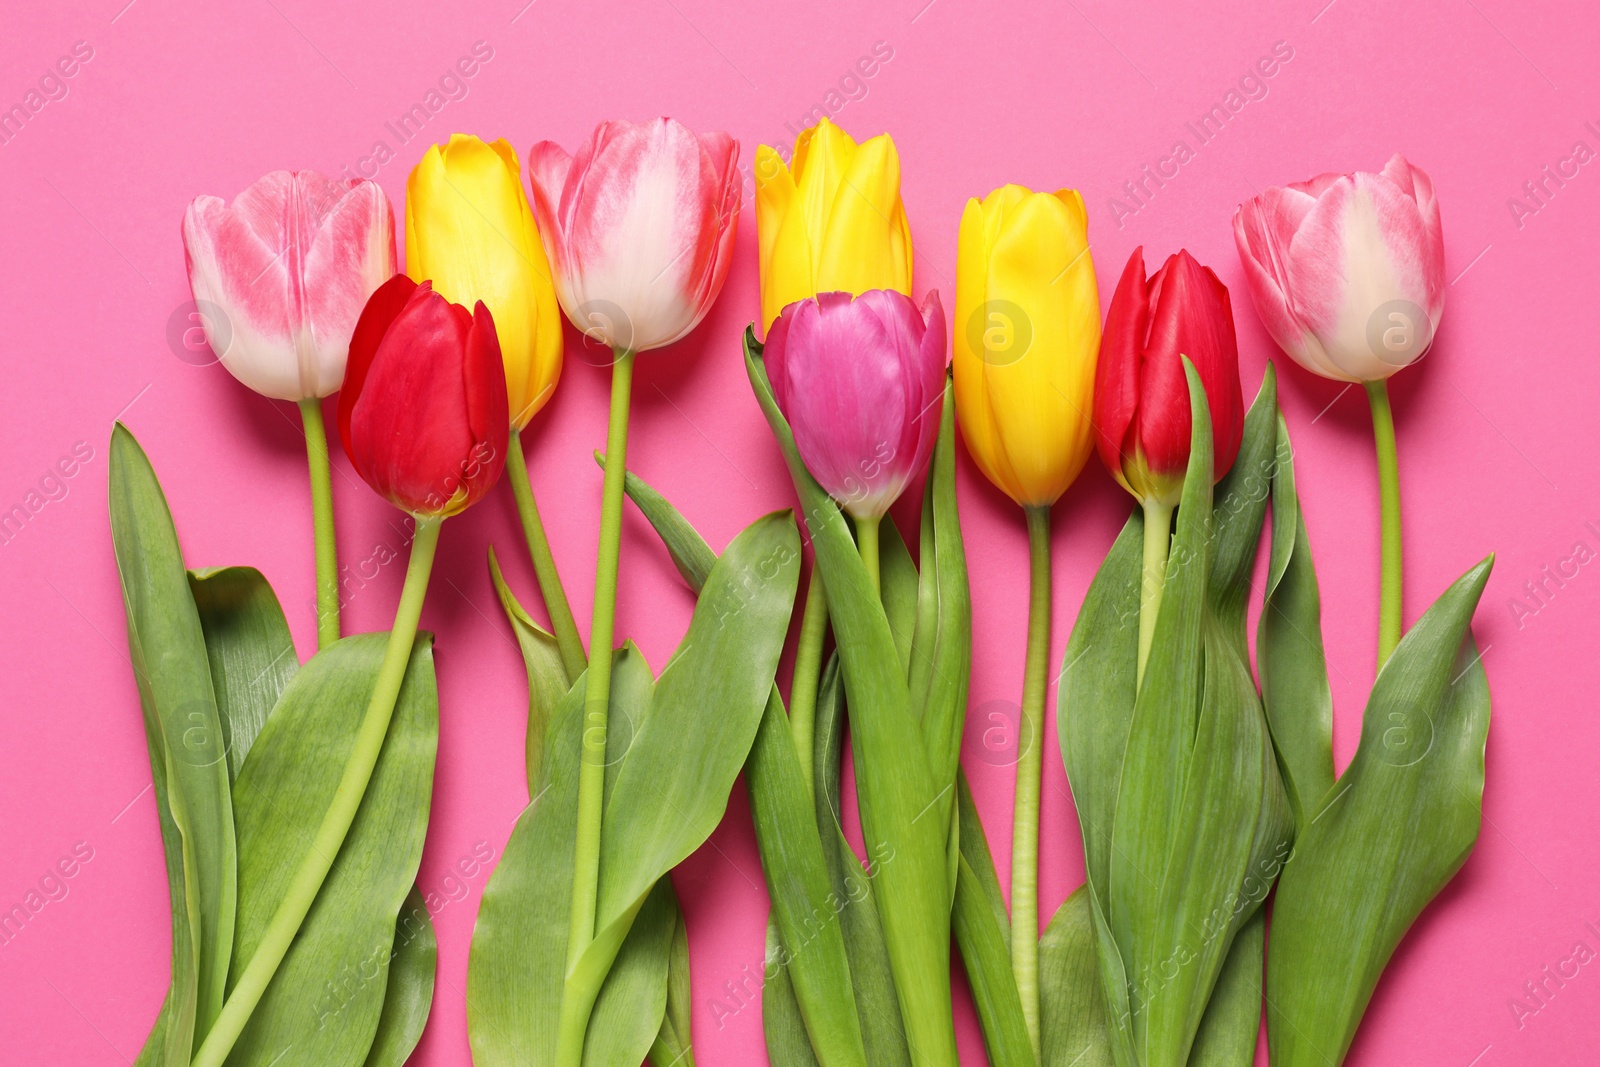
(856, 253)
(470, 230)
(290, 263)
(1117, 375)
(641, 228)
(381, 310)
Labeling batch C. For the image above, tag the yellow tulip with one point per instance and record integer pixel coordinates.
(1027, 335)
(831, 222)
(470, 231)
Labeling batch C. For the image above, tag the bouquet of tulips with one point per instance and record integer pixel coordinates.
(294, 798)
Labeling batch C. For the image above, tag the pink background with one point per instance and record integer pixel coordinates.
(1497, 433)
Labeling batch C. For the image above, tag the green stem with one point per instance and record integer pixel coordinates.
(573, 657)
(330, 835)
(867, 544)
(1030, 751)
(597, 694)
(322, 518)
(1389, 617)
(807, 673)
(1157, 544)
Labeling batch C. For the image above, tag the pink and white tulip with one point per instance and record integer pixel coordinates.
(1347, 270)
(287, 268)
(861, 381)
(638, 227)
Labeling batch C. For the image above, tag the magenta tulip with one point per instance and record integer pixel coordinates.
(861, 381)
(1347, 270)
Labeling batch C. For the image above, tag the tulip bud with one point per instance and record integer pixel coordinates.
(861, 381)
(1027, 329)
(470, 231)
(639, 228)
(422, 413)
(1347, 270)
(286, 269)
(832, 220)
(1141, 395)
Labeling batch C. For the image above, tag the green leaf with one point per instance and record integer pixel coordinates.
(818, 987)
(983, 935)
(249, 649)
(666, 796)
(898, 582)
(323, 1004)
(541, 656)
(631, 1007)
(188, 760)
(1289, 656)
(1240, 504)
(1095, 701)
(673, 786)
(674, 1046)
(1072, 1014)
(1231, 1028)
(517, 963)
(408, 995)
(783, 1027)
(871, 976)
(1398, 824)
(894, 779)
(1201, 816)
(942, 649)
(804, 903)
(1095, 695)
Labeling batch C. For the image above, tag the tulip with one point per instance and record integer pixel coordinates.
(288, 265)
(861, 381)
(1347, 272)
(279, 278)
(470, 231)
(639, 229)
(1027, 328)
(423, 414)
(1141, 397)
(424, 420)
(831, 221)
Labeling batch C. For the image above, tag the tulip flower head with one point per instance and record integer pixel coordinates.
(830, 220)
(1347, 270)
(423, 413)
(861, 381)
(639, 228)
(1141, 395)
(470, 231)
(281, 275)
(1027, 330)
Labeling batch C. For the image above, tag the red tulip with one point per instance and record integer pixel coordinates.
(1141, 397)
(423, 412)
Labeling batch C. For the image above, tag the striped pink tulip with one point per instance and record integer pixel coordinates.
(281, 275)
(861, 381)
(1347, 270)
(638, 227)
